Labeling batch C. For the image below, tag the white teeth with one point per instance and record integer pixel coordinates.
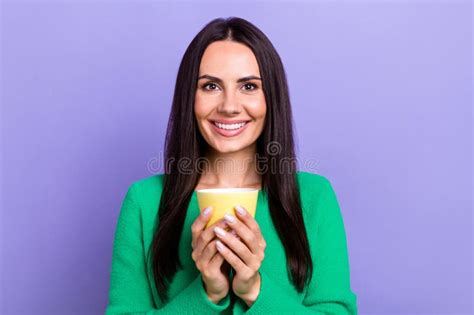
(229, 126)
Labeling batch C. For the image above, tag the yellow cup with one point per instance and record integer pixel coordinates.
(223, 200)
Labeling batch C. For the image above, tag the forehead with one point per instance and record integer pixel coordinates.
(228, 59)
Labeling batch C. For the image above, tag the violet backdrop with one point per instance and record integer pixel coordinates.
(382, 99)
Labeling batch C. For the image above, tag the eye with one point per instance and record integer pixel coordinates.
(209, 84)
(250, 86)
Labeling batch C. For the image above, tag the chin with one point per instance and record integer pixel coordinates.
(229, 147)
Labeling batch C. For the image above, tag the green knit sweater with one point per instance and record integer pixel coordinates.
(132, 288)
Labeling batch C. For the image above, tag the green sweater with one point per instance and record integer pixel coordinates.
(132, 288)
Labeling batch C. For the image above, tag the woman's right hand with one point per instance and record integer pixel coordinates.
(208, 260)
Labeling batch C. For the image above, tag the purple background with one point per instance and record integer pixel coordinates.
(382, 100)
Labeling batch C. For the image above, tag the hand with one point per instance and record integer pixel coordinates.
(211, 264)
(248, 256)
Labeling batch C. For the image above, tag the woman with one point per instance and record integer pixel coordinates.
(231, 113)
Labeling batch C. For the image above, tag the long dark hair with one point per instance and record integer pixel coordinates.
(185, 146)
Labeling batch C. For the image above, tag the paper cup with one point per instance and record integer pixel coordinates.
(223, 200)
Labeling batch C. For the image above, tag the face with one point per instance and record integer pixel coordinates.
(229, 104)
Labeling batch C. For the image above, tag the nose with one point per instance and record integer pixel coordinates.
(230, 104)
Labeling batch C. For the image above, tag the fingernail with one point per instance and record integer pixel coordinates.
(219, 231)
(240, 210)
(219, 245)
(206, 211)
(229, 218)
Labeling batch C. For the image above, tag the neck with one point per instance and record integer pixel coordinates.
(231, 170)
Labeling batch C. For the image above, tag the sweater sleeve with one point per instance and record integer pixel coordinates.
(129, 290)
(329, 290)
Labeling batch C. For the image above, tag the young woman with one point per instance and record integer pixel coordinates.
(231, 126)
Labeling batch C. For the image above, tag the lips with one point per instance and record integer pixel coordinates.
(229, 122)
(229, 132)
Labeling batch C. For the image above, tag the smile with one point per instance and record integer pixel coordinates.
(229, 130)
(229, 126)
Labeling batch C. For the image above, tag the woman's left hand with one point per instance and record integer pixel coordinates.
(248, 245)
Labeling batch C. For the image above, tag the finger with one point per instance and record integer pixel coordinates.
(237, 246)
(201, 221)
(244, 232)
(201, 241)
(230, 257)
(234, 233)
(216, 260)
(251, 223)
(208, 253)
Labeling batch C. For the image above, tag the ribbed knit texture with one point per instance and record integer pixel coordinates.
(132, 288)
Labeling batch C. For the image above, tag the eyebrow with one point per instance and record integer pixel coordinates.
(247, 78)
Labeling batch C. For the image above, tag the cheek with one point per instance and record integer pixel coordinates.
(200, 112)
(199, 108)
(258, 108)
(203, 105)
